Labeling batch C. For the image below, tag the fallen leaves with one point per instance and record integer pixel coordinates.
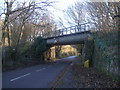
(91, 78)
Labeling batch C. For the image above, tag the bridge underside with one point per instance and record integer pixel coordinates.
(77, 38)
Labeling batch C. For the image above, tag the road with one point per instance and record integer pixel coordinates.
(39, 76)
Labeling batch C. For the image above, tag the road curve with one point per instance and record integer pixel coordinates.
(39, 76)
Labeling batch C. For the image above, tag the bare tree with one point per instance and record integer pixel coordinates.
(77, 13)
(17, 18)
(21, 10)
(102, 14)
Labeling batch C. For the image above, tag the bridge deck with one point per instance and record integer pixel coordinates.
(76, 38)
(82, 28)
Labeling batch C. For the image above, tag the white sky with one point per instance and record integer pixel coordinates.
(60, 6)
(63, 4)
(58, 9)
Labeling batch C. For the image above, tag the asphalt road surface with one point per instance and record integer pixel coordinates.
(39, 76)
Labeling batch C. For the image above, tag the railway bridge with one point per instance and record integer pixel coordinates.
(71, 35)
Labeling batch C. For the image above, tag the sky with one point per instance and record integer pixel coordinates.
(59, 8)
(60, 5)
(56, 11)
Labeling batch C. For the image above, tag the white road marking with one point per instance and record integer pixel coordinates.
(40, 69)
(20, 77)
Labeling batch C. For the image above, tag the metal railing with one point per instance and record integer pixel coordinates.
(69, 30)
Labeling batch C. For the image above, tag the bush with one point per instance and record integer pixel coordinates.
(38, 47)
(26, 50)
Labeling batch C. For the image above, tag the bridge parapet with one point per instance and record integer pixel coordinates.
(70, 30)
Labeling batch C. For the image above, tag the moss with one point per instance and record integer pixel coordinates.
(105, 53)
